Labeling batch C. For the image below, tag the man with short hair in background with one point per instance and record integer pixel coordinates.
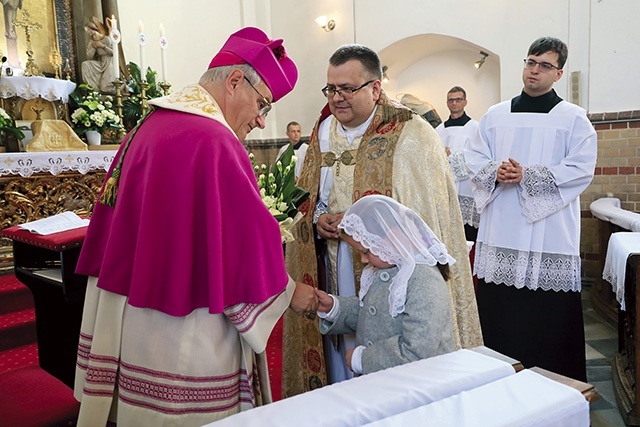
(294, 133)
(455, 133)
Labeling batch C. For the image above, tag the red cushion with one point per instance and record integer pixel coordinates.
(56, 241)
(32, 397)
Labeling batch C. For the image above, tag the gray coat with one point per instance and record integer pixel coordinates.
(423, 330)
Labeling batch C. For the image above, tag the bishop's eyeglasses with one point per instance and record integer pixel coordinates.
(345, 92)
(265, 105)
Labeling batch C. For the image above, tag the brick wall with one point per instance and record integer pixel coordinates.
(617, 175)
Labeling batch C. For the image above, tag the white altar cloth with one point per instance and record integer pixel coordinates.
(55, 162)
(608, 209)
(36, 86)
(523, 399)
(378, 395)
(621, 245)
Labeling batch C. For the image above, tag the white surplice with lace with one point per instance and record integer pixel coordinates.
(529, 233)
(456, 139)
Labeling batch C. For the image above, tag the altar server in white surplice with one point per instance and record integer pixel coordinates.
(455, 134)
(532, 158)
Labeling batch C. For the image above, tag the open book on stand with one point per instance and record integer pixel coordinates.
(55, 224)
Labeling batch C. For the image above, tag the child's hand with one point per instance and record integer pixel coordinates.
(325, 302)
(347, 358)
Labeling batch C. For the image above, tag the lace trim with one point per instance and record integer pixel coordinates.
(533, 270)
(485, 181)
(469, 212)
(321, 209)
(612, 277)
(458, 166)
(539, 194)
(32, 88)
(27, 164)
(354, 227)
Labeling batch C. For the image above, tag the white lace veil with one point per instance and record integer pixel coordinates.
(398, 236)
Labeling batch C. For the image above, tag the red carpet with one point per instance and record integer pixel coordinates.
(18, 346)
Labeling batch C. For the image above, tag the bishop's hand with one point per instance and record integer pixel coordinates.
(304, 300)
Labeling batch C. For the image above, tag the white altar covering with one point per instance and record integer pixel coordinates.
(523, 399)
(608, 209)
(621, 245)
(36, 86)
(55, 162)
(378, 395)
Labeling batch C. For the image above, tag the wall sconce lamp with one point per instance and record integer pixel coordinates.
(385, 77)
(326, 23)
(480, 62)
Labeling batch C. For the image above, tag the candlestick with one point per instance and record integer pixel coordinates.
(142, 41)
(163, 54)
(143, 97)
(165, 88)
(115, 39)
(118, 85)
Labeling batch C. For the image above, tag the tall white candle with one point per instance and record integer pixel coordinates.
(115, 39)
(142, 41)
(163, 54)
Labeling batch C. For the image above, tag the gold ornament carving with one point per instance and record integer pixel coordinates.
(39, 196)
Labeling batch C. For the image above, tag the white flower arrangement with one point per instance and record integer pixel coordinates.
(280, 193)
(94, 112)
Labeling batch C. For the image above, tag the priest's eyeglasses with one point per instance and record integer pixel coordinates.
(544, 66)
(345, 93)
(265, 105)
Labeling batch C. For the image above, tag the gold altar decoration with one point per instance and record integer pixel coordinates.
(55, 59)
(143, 95)
(54, 135)
(165, 88)
(31, 69)
(67, 70)
(118, 84)
(43, 195)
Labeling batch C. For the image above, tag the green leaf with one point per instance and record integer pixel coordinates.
(13, 131)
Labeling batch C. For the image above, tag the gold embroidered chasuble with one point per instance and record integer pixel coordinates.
(399, 156)
(340, 197)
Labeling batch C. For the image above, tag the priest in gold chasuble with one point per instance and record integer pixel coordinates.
(369, 144)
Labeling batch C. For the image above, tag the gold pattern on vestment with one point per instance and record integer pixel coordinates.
(400, 156)
(193, 99)
(347, 158)
(298, 375)
(340, 197)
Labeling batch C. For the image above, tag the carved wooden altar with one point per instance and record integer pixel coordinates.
(30, 190)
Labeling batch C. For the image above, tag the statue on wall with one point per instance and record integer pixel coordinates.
(423, 108)
(98, 71)
(10, 10)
